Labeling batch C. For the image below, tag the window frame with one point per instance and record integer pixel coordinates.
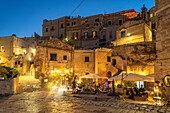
(108, 58)
(64, 57)
(51, 56)
(86, 60)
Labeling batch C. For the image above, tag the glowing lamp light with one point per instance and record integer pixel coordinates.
(156, 90)
(62, 89)
(67, 71)
(54, 87)
(29, 59)
(128, 34)
(78, 82)
(57, 71)
(45, 80)
(52, 71)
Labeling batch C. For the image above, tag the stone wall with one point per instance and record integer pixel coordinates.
(10, 86)
(162, 65)
(135, 31)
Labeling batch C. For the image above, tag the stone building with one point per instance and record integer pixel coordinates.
(139, 58)
(16, 52)
(87, 32)
(162, 67)
(53, 56)
(133, 31)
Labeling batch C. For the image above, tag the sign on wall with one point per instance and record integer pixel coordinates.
(166, 80)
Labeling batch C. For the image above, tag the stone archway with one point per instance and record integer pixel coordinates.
(109, 74)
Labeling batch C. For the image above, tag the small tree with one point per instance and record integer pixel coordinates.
(68, 41)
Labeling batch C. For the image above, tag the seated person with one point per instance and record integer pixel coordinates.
(136, 90)
(142, 91)
(97, 89)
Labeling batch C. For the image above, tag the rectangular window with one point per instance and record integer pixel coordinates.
(68, 24)
(53, 57)
(85, 34)
(73, 23)
(94, 34)
(61, 36)
(2, 49)
(108, 59)
(61, 25)
(64, 57)
(52, 28)
(120, 22)
(75, 35)
(86, 59)
(110, 34)
(46, 30)
(122, 34)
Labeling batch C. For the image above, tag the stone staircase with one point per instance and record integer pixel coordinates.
(28, 83)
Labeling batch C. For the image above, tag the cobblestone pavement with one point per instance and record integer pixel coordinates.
(45, 101)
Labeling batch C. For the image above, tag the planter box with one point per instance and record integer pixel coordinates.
(9, 86)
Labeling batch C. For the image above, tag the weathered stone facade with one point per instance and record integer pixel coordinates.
(139, 58)
(87, 32)
(162, 67)
(16, 52)
(133, 31)
(53, 55)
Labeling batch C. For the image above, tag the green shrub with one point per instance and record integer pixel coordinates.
(8, 72)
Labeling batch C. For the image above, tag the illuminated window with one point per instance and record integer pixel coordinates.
(151, 15)
(64, 57)
(109, 23)
(94, 34)
(75, 35)
(123, 34)
(46, 30)
(2, 49)
(86, 59)
(53, 57)
(85, 34)
(108, 59)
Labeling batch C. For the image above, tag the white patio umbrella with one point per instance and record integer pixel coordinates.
(93, 76)
(136, 77)
(150, 75)
(119, 77)
(132, 77)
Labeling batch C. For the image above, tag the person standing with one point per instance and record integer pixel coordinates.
(162, 91)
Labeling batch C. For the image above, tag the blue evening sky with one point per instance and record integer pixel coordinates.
(24, 17)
